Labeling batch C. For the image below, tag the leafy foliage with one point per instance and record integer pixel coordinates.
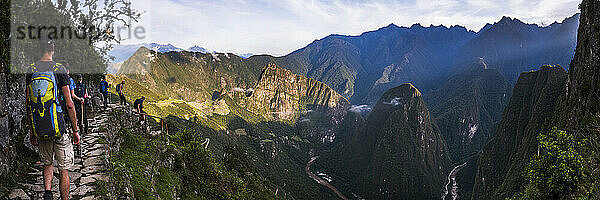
(558, 169)
(180, 166)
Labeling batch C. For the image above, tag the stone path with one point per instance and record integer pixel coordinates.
(89, 167)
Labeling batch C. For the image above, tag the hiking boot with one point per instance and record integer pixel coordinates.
(48, 195)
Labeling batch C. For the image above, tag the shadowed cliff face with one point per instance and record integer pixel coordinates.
(583, 91)
(540, 101)
(503, 158)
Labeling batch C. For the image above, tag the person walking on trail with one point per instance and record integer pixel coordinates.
(104, 91)
(81, 93)
(75, 98)
(71, 84)
(138, 105)
(72, 90)
(46, 80)
(120, 87)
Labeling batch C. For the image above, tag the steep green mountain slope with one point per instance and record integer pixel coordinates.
(281, 120)
(504, 158)
(398, 153)
(467, 106)
(189, 76)
(211, 83)
(177, 165)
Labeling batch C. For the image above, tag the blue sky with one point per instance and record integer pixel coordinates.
(278, 27)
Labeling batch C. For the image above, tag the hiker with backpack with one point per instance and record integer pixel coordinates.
(81, 92)
(120, 91)
(104, 91)
(139, 107)
(46, 80)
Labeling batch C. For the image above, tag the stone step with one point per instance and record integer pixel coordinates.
(94, 161)
(92, 147)
(83, 190)
(97, 152)
(18, 194)
(91, 170)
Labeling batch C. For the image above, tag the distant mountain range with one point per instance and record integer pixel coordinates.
(363, 67)
(123, 52)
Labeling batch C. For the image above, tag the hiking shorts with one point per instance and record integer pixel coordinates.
(60, 149)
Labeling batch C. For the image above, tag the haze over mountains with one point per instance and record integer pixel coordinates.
(363, 67)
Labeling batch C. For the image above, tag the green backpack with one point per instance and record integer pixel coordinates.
(43, 105)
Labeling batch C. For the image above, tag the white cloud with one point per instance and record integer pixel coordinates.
(360, 108)
(278, 27)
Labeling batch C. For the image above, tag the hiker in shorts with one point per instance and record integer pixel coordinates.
(46, 80)
(120, 87)
(104, 91)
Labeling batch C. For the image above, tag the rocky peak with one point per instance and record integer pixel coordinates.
(282, 95)
(401, 128)
(405, 95)
(506, 19)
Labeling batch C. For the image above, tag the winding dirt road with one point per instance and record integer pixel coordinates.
(321, 181)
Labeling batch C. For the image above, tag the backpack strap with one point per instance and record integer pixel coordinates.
(57, 89)
(32, 69)
(56, 67)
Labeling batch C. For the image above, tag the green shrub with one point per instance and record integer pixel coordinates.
(559, 167)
